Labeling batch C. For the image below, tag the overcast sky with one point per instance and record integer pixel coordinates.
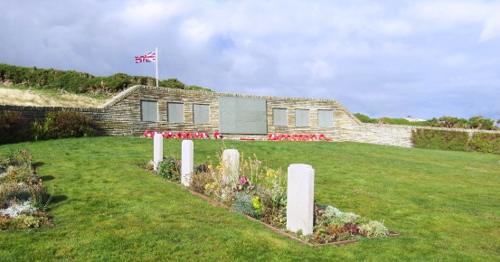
(381, 58)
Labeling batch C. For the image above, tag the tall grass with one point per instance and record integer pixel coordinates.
(106, 208)
(18, 96)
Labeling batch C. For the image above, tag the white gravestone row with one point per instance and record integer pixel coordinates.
(300, 194)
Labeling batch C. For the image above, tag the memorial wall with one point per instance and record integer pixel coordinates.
(234, 115)
(142, 108)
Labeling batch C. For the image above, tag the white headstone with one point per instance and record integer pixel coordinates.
(157, 150)
(300, 199)
(230, 166)
(187, 162)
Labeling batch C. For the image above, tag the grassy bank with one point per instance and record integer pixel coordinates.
(106, 208)
(23, 96)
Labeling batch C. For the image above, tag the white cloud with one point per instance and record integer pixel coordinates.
(491, 28)
(377, 55)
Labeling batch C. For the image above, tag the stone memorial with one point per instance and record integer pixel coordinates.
(187, 162)
(230, 166)
(157, 150)
(300, 199)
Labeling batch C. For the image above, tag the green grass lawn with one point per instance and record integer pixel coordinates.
(445, 204)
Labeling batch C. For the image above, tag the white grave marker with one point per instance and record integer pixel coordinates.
(157, 150)
(230, 166)
(187, 162)
(300, 199)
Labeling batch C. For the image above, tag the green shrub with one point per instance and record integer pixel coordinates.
(244, 204)
(486, 143)
(170, 169)
(14, 127)
(440, 139)
(63, 124)
(373, 229)
(77, 82)
(458, 141)
(25, 222)
(201, 177)
(365, 118)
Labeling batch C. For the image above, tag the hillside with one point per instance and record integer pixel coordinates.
(79, 82)
(28, 97)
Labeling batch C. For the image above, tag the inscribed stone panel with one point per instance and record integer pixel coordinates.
(242, 115)
(301, 117)
(149, 110)
(279, 117)
(201, 114)
(175, 112)
(325, 118)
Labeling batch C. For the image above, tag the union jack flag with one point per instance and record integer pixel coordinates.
(149, 58)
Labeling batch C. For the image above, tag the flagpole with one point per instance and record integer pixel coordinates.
(156, 66)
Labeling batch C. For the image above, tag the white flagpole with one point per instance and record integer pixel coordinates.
(156, 51)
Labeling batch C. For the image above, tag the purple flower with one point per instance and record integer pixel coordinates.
(242, 181)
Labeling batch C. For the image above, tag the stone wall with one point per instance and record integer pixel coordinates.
(123, 113)
(121, 116)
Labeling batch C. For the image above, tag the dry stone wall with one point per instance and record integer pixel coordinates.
(121, 116)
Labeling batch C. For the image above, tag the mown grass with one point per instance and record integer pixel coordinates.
(106, 208)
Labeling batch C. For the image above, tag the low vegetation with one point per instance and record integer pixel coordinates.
(14, 127)
(107, 208)
(79, 82)
(20, 95)
(477, 122)
(456, 140)
(23, 197)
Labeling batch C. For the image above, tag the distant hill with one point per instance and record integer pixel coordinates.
(80, 82)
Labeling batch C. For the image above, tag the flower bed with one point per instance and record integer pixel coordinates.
(260, 193)
(23, 197)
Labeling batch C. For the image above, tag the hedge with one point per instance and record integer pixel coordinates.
(456, 140)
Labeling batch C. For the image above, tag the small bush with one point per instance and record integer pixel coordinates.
(486, 143)
(243, 204)
(459, 141)
(24, 222)
(14, 127)
(365, 118)
(63, 124)
(201, 178)
(170, 169)
(440, 139)
(373, 229)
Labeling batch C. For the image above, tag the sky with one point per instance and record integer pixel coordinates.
(382, 58)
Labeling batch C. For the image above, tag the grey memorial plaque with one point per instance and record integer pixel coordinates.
(279, 117)
(325, 118)
(301, 117)
(175, 112)
(149, 110)
(242, 115)
(201, 114)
